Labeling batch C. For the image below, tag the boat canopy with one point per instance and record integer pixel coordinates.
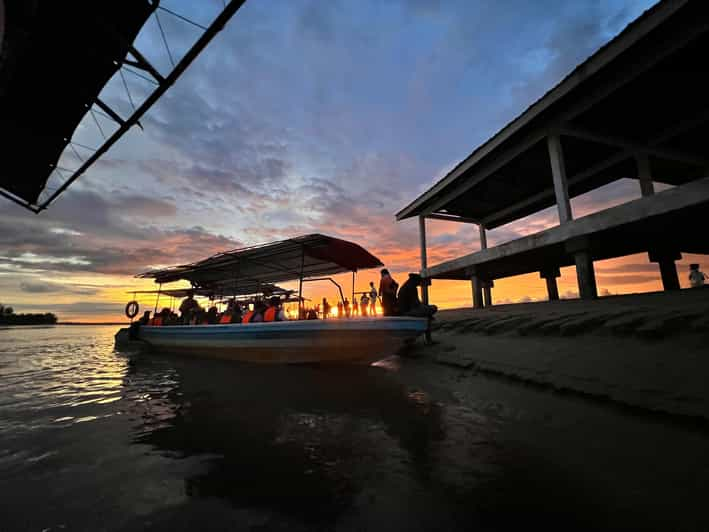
(242, 289)
(303, 257)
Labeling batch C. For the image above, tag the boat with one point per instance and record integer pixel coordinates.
(252, 273)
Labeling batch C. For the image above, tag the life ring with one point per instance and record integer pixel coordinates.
(132, 309)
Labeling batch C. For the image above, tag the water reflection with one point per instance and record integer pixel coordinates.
(297, 440)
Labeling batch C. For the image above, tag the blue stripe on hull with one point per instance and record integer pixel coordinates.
(363, 340)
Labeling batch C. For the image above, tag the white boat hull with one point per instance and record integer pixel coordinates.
(358, 340)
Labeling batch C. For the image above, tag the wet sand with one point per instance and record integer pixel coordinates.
(647, 351)
(98, 440)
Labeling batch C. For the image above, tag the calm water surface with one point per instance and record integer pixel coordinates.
(92, 439)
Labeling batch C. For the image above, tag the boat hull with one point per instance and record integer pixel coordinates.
(359, 340)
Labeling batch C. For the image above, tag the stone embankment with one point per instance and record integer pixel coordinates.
(645, 350)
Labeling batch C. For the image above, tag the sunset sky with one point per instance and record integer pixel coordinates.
(310, 116)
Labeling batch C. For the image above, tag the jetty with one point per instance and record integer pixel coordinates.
(634, 109)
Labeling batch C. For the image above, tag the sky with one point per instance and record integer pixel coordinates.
(308, 116)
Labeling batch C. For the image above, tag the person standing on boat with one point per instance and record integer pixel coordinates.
(325, 308)
(347, 308)
(372, 299)
(189, 308)
(364, 304)
(387, 291)
(339, 309)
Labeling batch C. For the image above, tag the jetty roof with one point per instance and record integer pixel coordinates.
(642, 93)
(307, 256)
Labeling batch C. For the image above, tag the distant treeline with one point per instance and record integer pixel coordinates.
(8, 317)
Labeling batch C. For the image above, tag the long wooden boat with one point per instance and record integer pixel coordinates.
(254, 270)
(356, 340)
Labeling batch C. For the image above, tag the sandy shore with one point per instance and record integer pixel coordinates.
(644, 350)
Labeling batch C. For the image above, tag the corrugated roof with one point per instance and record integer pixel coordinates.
(309, 256)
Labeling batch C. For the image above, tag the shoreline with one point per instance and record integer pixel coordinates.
(645, 351)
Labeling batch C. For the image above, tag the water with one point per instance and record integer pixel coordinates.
(91, 439)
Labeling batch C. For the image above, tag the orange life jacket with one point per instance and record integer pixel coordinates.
(226, 318)
(270, 314)
(157, 320)
(247, 317)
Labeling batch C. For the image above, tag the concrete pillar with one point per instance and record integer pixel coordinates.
(550, 275)
(483, 236)
(477, 287)
(585, 274)
(558, 171)
(487, 292)
(424, 258)
(580, 248)
(487, 285)
(647, 188)
(668, 268)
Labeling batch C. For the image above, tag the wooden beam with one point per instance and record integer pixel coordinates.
(451, 218)
(634, 146)
(483, 236)
(645, 175)
(480, 175)
(422, 240)
(676, 130)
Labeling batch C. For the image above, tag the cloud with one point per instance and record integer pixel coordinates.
(309, 117)
(49, 288)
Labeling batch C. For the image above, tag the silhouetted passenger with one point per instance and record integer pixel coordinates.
(212, 316)
(387, 291)
(189, 308)
(340, 313)
(364, 304)
(372, 299)
(696, 277)
(409, 303)
(145, 318)
(346, 305)
(275, 311)
(325, 308)
(355, 306)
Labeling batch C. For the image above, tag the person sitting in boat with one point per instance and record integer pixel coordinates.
(387, 291)
(275, 311)
(189, 308)
(145, 318)
(255, 315)
(161, 318)
(212, 316)
(409, 303)
(363, 304)
(232, 314)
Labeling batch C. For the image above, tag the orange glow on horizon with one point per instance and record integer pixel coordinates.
(631, 274)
